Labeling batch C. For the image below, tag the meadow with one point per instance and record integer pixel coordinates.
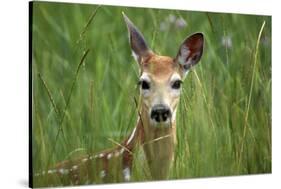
(84, 82)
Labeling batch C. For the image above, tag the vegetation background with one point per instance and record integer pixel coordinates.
(78, 107)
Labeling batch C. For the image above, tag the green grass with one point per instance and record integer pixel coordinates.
(224, 115)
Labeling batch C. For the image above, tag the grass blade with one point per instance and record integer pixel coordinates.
(250, 97)
(67, 103)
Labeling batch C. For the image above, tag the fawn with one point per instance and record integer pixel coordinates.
(160, 88)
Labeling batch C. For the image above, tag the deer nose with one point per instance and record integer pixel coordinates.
(160, 113)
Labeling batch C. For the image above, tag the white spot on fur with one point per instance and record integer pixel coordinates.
(102, 174)
(74, 167)
(101, 155)
(52, 171)
(127, 174)
(84, 160)
(63, 171)
(109, 155)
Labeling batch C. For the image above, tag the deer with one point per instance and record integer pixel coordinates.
(160, 83)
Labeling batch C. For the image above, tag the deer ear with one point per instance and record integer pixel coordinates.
(190, 51)
(139, 47)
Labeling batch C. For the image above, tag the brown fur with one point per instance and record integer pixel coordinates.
(158, 66)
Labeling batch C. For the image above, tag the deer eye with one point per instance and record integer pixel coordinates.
(176, 84)
(144, 85)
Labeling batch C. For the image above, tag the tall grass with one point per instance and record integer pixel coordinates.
(83, 102)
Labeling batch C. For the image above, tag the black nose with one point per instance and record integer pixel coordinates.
(160, 113)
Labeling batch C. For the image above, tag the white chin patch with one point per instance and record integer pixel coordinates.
(162, 124)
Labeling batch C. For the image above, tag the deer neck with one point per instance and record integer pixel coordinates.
(158, 144)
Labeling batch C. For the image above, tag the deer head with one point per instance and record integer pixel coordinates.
(161, 76)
